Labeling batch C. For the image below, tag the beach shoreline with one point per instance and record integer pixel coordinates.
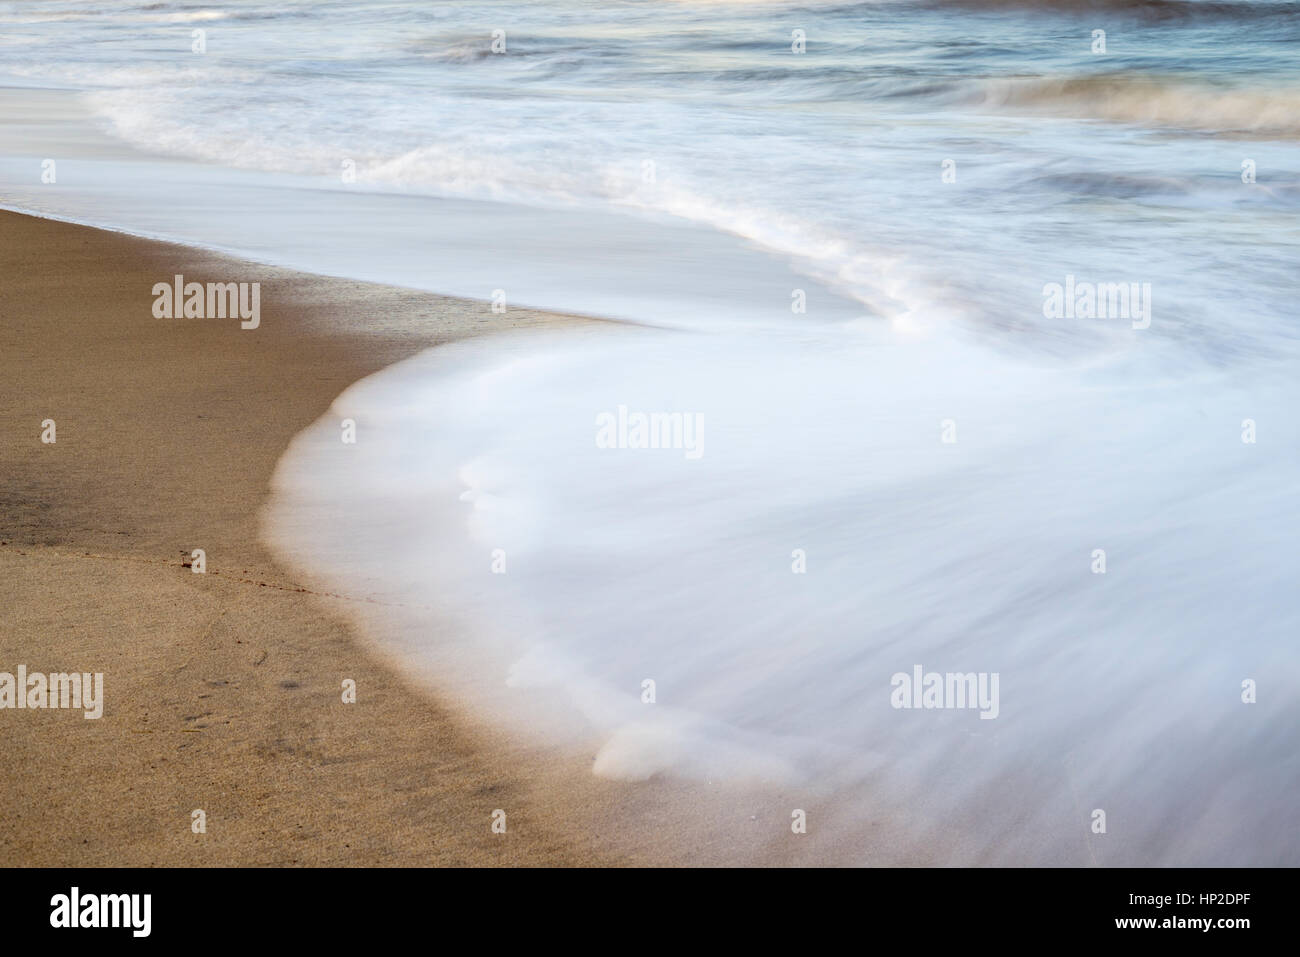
(222, 690)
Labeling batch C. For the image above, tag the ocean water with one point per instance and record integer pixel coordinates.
(940, 457)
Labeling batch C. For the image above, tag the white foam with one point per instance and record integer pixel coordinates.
(1118, 690)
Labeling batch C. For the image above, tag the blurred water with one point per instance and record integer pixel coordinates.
(678, 164)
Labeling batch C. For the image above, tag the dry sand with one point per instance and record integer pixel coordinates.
(223, 689)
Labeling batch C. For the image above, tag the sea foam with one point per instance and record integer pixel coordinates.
(540, 580)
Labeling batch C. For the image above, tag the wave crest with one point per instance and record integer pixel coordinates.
(1154, 102)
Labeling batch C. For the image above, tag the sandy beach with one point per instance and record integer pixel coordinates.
(222, 689)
